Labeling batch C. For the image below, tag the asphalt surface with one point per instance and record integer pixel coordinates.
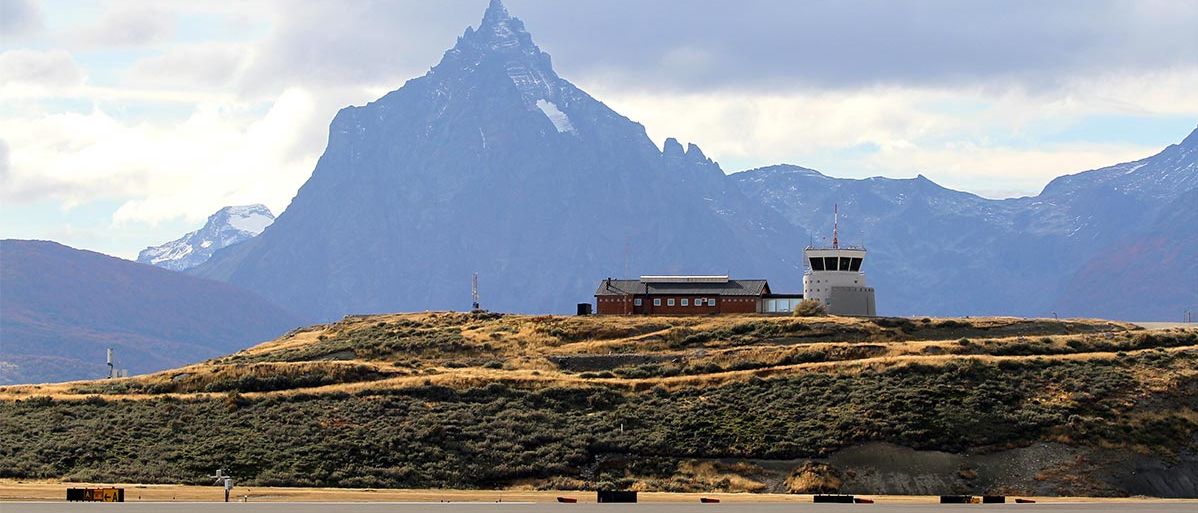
(340, 507)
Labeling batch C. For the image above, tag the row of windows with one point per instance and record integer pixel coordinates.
(835, 264)
(699, 301)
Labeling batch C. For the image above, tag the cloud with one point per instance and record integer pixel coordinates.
(771, 44)
(233, 107)
(334, 44)
(221, 154)
(207, 65)
(19, 18)
(126, 24)
(36, 68)
(4, 161)
(969, 138)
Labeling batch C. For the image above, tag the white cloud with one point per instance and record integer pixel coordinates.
(205, 65)
(19, 18)
(220, 155)
(979, 138)
(37, 69)
(126, 24)
(178, 124)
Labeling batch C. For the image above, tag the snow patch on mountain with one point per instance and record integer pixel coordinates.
(228, 226)
(560, 120)
(251, 219)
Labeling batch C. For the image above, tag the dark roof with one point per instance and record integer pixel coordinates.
(729, 288)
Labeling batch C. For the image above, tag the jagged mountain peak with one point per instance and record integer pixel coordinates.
(228, 226)
(496, 13)
(500, 45)
(499, 32)
(672, 149)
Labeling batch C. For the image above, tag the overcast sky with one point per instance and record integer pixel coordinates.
(126, 123)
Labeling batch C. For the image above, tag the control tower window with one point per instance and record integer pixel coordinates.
(844, 263)
(830, 263)
(855, 265)
(817, 264)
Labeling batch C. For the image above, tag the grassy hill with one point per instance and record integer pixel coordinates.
(746, 403)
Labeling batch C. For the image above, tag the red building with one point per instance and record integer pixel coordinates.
(689, 295)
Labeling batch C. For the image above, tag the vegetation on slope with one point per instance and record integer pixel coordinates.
(453, 400)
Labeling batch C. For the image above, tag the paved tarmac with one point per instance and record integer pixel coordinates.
(378, 507)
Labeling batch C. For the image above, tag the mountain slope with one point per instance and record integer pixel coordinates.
(491, 163)
(228, 226)
(61, 307)
(935, 251)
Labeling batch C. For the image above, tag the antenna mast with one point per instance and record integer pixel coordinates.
(835, 226)
(474, 291)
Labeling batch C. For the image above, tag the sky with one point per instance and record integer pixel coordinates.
(124, 124)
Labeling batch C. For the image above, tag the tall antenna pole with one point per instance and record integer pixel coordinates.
(474, 290)
(835, 226)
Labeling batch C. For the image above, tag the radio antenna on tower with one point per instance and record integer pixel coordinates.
(835, 226)
(474, 292)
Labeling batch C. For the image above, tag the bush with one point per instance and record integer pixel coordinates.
(810, 308)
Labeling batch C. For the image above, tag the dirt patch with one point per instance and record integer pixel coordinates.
(586, 362)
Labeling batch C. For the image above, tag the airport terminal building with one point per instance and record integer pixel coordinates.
(690, 295)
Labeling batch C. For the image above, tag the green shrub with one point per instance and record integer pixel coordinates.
(810, 308)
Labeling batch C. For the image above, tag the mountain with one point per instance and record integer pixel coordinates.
(61, 307)
(492, 163)
(1081, 247)
(228, 226)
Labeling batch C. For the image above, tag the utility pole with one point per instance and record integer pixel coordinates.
(474, 293)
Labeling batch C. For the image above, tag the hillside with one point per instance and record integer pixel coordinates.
(60, 308)
(886, 405)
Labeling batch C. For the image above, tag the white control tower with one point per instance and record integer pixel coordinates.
(835, 279)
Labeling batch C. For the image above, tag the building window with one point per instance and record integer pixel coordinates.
(686, 302)
(636, 301)
(698, 301)
(711, 301)
(656, 301)
(670, 302)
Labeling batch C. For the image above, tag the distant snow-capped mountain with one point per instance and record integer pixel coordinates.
(226, 227)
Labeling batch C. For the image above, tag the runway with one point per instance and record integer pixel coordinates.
(476, 507)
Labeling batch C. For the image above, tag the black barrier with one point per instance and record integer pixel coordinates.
(616, 496)
(95, 494)
(955, 499)
(994, 499)
(833, 499)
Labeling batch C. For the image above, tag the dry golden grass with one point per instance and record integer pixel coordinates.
(757, 345)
